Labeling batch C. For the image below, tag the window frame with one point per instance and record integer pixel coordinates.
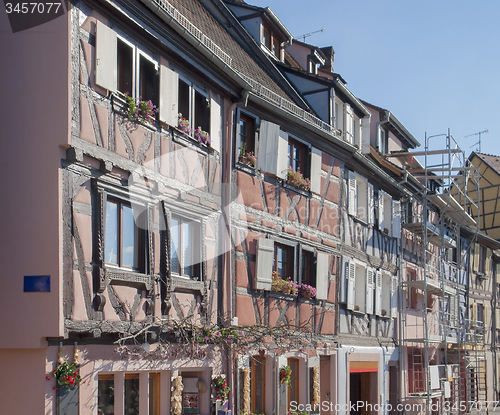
(196, 246)
(139, 239)
(254, 380)
(138, 52)
(250, 136)
(194, 89)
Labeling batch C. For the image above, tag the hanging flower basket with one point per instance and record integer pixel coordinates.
(221, 389)
(286, 375)
(67, 375)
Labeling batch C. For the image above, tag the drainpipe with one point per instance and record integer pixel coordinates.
(227, 286)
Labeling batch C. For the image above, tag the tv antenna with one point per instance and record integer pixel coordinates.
(479, 142)
(309, 34)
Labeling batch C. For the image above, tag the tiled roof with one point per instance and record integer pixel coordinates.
(493, 161)
(241, 61)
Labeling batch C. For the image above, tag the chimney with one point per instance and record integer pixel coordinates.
(329, 54)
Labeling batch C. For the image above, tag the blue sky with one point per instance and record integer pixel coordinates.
(434, 64)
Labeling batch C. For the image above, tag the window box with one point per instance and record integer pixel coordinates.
(248, 159)
(202, 137)
(297, 179)
(121, 105)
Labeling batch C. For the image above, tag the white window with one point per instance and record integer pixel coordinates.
(349, 124)
(360, 286)
(360, 203)
(385, 213)
(185, 247)
(278, 151)
(125, 66)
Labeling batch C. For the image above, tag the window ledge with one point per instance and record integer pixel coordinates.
(181, 138)
(246, 168)
(282, 296)
(362, 221)
(118, 276)
(186, 284)
(119, 106)
(305, 193)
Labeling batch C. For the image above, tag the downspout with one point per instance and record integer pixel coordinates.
(226, 260)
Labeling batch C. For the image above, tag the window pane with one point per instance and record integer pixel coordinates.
(258, 372)
(149, 81)
(125, 63)
(174, 234)
(154, 394)
(187, 249)
(281, 261)
(184, 100)
(130, 239)
(111, 234)
(131, 395)
(106, 396)
(201, 112)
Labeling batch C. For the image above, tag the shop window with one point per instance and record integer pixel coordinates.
(105, 395)
(258, 386)
(185, 247)
(131, 394)
(293, 390)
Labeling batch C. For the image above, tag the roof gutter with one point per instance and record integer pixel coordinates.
(205, 51)
(278, 23)
(402, 128)
(349, 95)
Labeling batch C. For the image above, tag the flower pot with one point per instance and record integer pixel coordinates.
(306, 295)
(286, 290)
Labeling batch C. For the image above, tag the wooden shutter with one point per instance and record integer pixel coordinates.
(351, 184)
(378, 293)
(381, 210)
(215, 125)
(365, 135)
(322, 276)
(169, 96)
(487, 312)
(473, 315)
(351, 284)
(268, 146)
(282, 160)
(475, 265)
(371, 205)
(349, 124)
(396, 215)
(487, 265)
(369, 291)
(394, 296)
(264, 264)
(106, 68)
(315, 170)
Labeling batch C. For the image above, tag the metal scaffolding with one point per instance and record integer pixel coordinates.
(441, 351)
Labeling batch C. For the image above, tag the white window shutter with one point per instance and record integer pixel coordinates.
(106, 69)
(351, 284)
(315, 170)
(322, 276)
(487, 266)
(169, 93)
(282, 161)
(453, 310)
(378, 293)
(351, 184)
(348, 124)
(215, 125)
(396, 222)
(487, 316)
(381, 210)
(365, 135)
(473, 316)
(369, 291)
(475, 265)
(394, 296)
(264, 264)
(268, 146)
(497, 318)
(371, 205)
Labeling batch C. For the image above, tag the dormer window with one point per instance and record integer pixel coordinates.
(271, 41)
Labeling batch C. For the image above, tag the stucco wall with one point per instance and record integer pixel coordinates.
(34, 129)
